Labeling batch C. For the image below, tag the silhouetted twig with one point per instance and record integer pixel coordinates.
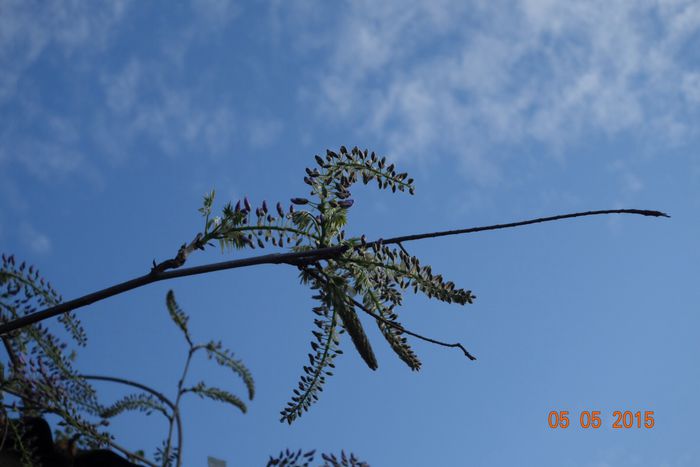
(295, 258)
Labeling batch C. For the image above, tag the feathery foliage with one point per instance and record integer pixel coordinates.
(376, 272)
(347, 274)
(140, 402)
(216, 394)
(43, 378)
(224, 357)
(298, 458)
(42, 373)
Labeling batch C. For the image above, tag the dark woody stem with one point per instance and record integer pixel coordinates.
(296, 259)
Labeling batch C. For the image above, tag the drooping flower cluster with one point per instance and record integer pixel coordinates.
(374, 271)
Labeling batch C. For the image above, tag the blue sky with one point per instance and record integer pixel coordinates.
(116, 117)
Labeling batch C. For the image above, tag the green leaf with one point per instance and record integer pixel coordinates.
(216, 394)
(206, 205)
(177, 315)
(224, 357)
(139, 401)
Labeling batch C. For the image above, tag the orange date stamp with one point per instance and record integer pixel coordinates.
(591, 419)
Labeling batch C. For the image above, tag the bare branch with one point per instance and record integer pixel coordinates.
(295, 258)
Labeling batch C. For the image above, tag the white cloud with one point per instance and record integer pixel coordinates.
(122, 88)
(691, 87)
(28, 28)
(36, 241)
(263, 132)
(437, 79)
(217, 13)
(148, 98)
(146, 102)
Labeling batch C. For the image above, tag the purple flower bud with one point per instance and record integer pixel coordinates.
(319, 161)
(264, 206)
(343, 150)
(238, 206)
(346, 203)
(280, 211)
(300, 201)
(246, 203)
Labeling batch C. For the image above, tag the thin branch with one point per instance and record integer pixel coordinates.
(127, 382)
(197, 243)
(402, 248)
(641, 212)
(159, 395)
(295, 258)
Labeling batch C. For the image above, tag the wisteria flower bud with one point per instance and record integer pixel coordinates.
(280, 211)
(300, 201)
(264, 206)
(246, 203)
(346, 203)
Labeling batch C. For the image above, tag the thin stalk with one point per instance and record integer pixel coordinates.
(176, 413)
(294, 258)
(143, 387)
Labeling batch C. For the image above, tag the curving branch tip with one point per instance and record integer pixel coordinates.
(645, 212)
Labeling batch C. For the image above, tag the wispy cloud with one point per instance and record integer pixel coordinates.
(216, 13)
(439, 78)
(144, 102)
(110, 102)
(29, 28)
(36, 241)
(263, 132)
